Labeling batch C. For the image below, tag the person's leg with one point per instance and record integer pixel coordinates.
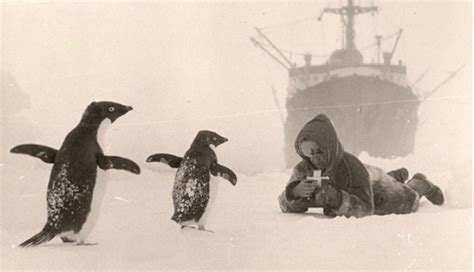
(426, 188)
(394, 198)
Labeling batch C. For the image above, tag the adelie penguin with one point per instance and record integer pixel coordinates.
(74, 195)
(194, 189)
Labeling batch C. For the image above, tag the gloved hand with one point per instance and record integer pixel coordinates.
(329, 196)
(304, 188)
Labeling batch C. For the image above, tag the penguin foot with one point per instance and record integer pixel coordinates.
(203, 229)
(187, 226)
(82, 243)
(66, 239)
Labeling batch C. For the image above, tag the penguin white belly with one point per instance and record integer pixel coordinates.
(213, 188)
(99, 188)
(96, 205)
(103, 127)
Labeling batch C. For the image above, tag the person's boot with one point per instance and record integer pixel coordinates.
(400, 175)
(426, 188)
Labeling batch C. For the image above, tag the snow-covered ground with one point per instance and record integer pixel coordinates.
(186, 67)
(134, 230)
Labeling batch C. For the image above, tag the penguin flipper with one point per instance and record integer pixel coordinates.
(171, 160)
(116, 162)
(44, 153)
(223, 172)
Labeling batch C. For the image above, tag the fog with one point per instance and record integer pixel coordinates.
(187, 66)
(190, 66)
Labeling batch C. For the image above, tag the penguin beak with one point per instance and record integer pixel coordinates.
(222, 140)
(123, 110)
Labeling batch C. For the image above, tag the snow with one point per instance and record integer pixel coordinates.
(134, 230)
(148, 60)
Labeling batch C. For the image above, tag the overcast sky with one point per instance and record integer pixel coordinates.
(188, 66)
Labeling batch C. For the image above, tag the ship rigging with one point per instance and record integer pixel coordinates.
(372, 105)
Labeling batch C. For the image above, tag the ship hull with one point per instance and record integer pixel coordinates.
(370, 114)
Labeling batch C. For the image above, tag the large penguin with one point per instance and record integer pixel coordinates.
(194, 190)
(74, 195)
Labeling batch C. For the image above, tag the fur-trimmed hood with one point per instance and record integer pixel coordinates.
(321, 131)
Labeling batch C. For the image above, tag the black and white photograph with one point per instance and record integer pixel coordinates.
(236, 135)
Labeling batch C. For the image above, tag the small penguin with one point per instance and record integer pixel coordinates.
(74, 196)
(194, 190)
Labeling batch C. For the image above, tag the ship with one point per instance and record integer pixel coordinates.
(372, 105)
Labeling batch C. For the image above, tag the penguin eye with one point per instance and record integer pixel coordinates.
(214, 139)
(111, 109)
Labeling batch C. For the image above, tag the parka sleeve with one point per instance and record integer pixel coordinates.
(288, 202)
(357, 199)
(299, 205)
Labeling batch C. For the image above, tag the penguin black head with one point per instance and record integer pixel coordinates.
(96, 112)
(207, 137)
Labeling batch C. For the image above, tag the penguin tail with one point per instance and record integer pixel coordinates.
(42, 237)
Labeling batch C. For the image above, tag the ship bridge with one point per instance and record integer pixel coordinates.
(304, 77)
(346, 57)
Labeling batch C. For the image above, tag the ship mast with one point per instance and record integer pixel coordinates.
(348, 14)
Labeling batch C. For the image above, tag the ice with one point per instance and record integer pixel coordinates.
(250, 231)
(186, 67)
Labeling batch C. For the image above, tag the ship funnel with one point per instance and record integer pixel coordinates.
(307, 59)
(386, 58)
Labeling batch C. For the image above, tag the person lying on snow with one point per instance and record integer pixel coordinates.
(349, 188)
